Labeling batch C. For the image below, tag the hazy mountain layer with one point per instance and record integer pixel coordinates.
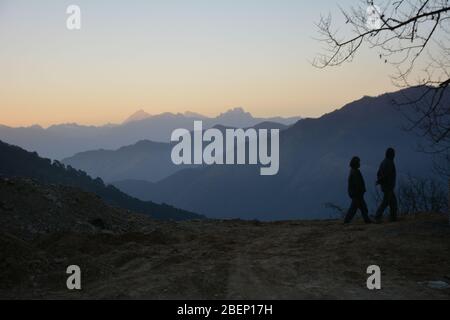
(314, 165)
(61, 141)
(146, 160)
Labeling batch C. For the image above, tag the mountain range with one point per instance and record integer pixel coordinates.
(144, 160)
(314, 165)
(314, 161)
(65, 140)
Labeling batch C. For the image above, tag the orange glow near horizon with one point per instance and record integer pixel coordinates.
(206, 59)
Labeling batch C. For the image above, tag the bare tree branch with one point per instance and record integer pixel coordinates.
(414, 37)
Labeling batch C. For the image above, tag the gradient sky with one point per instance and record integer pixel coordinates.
(205, 56)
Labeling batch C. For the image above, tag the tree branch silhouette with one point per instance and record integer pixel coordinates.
(414, 37)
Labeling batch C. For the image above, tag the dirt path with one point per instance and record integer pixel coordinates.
(237, 260)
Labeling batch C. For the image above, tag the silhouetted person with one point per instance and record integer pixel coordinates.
(356, 191)
(387, 176)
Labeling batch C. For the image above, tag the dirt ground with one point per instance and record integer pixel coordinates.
(234, 260)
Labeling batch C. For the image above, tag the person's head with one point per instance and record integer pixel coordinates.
(355, 163)
(390, 153)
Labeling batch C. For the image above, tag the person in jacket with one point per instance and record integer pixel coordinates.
(386, 178)
(356, 191)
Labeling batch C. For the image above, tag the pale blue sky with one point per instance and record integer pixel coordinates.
(203, 56)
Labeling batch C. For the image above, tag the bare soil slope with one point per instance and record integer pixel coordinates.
(122, 255)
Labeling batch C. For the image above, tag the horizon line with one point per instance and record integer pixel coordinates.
(184, 113)
(124, 121)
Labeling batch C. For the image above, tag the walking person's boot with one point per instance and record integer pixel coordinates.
(366, 218)
(393, 216)
(379, 218)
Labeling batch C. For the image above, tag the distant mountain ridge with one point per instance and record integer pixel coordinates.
(65, 140)
(137, 116)
(145, 160)
(237, 118)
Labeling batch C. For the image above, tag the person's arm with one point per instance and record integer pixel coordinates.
(363, 184)
(381, 175)
(390, 174)
(394, 176)
(351, 184)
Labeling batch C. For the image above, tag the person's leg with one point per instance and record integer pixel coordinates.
(364, 211)
(351, 211)
(393, 206)
(384, 204)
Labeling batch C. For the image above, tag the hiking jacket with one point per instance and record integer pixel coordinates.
(356, 184)
(387, 174)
